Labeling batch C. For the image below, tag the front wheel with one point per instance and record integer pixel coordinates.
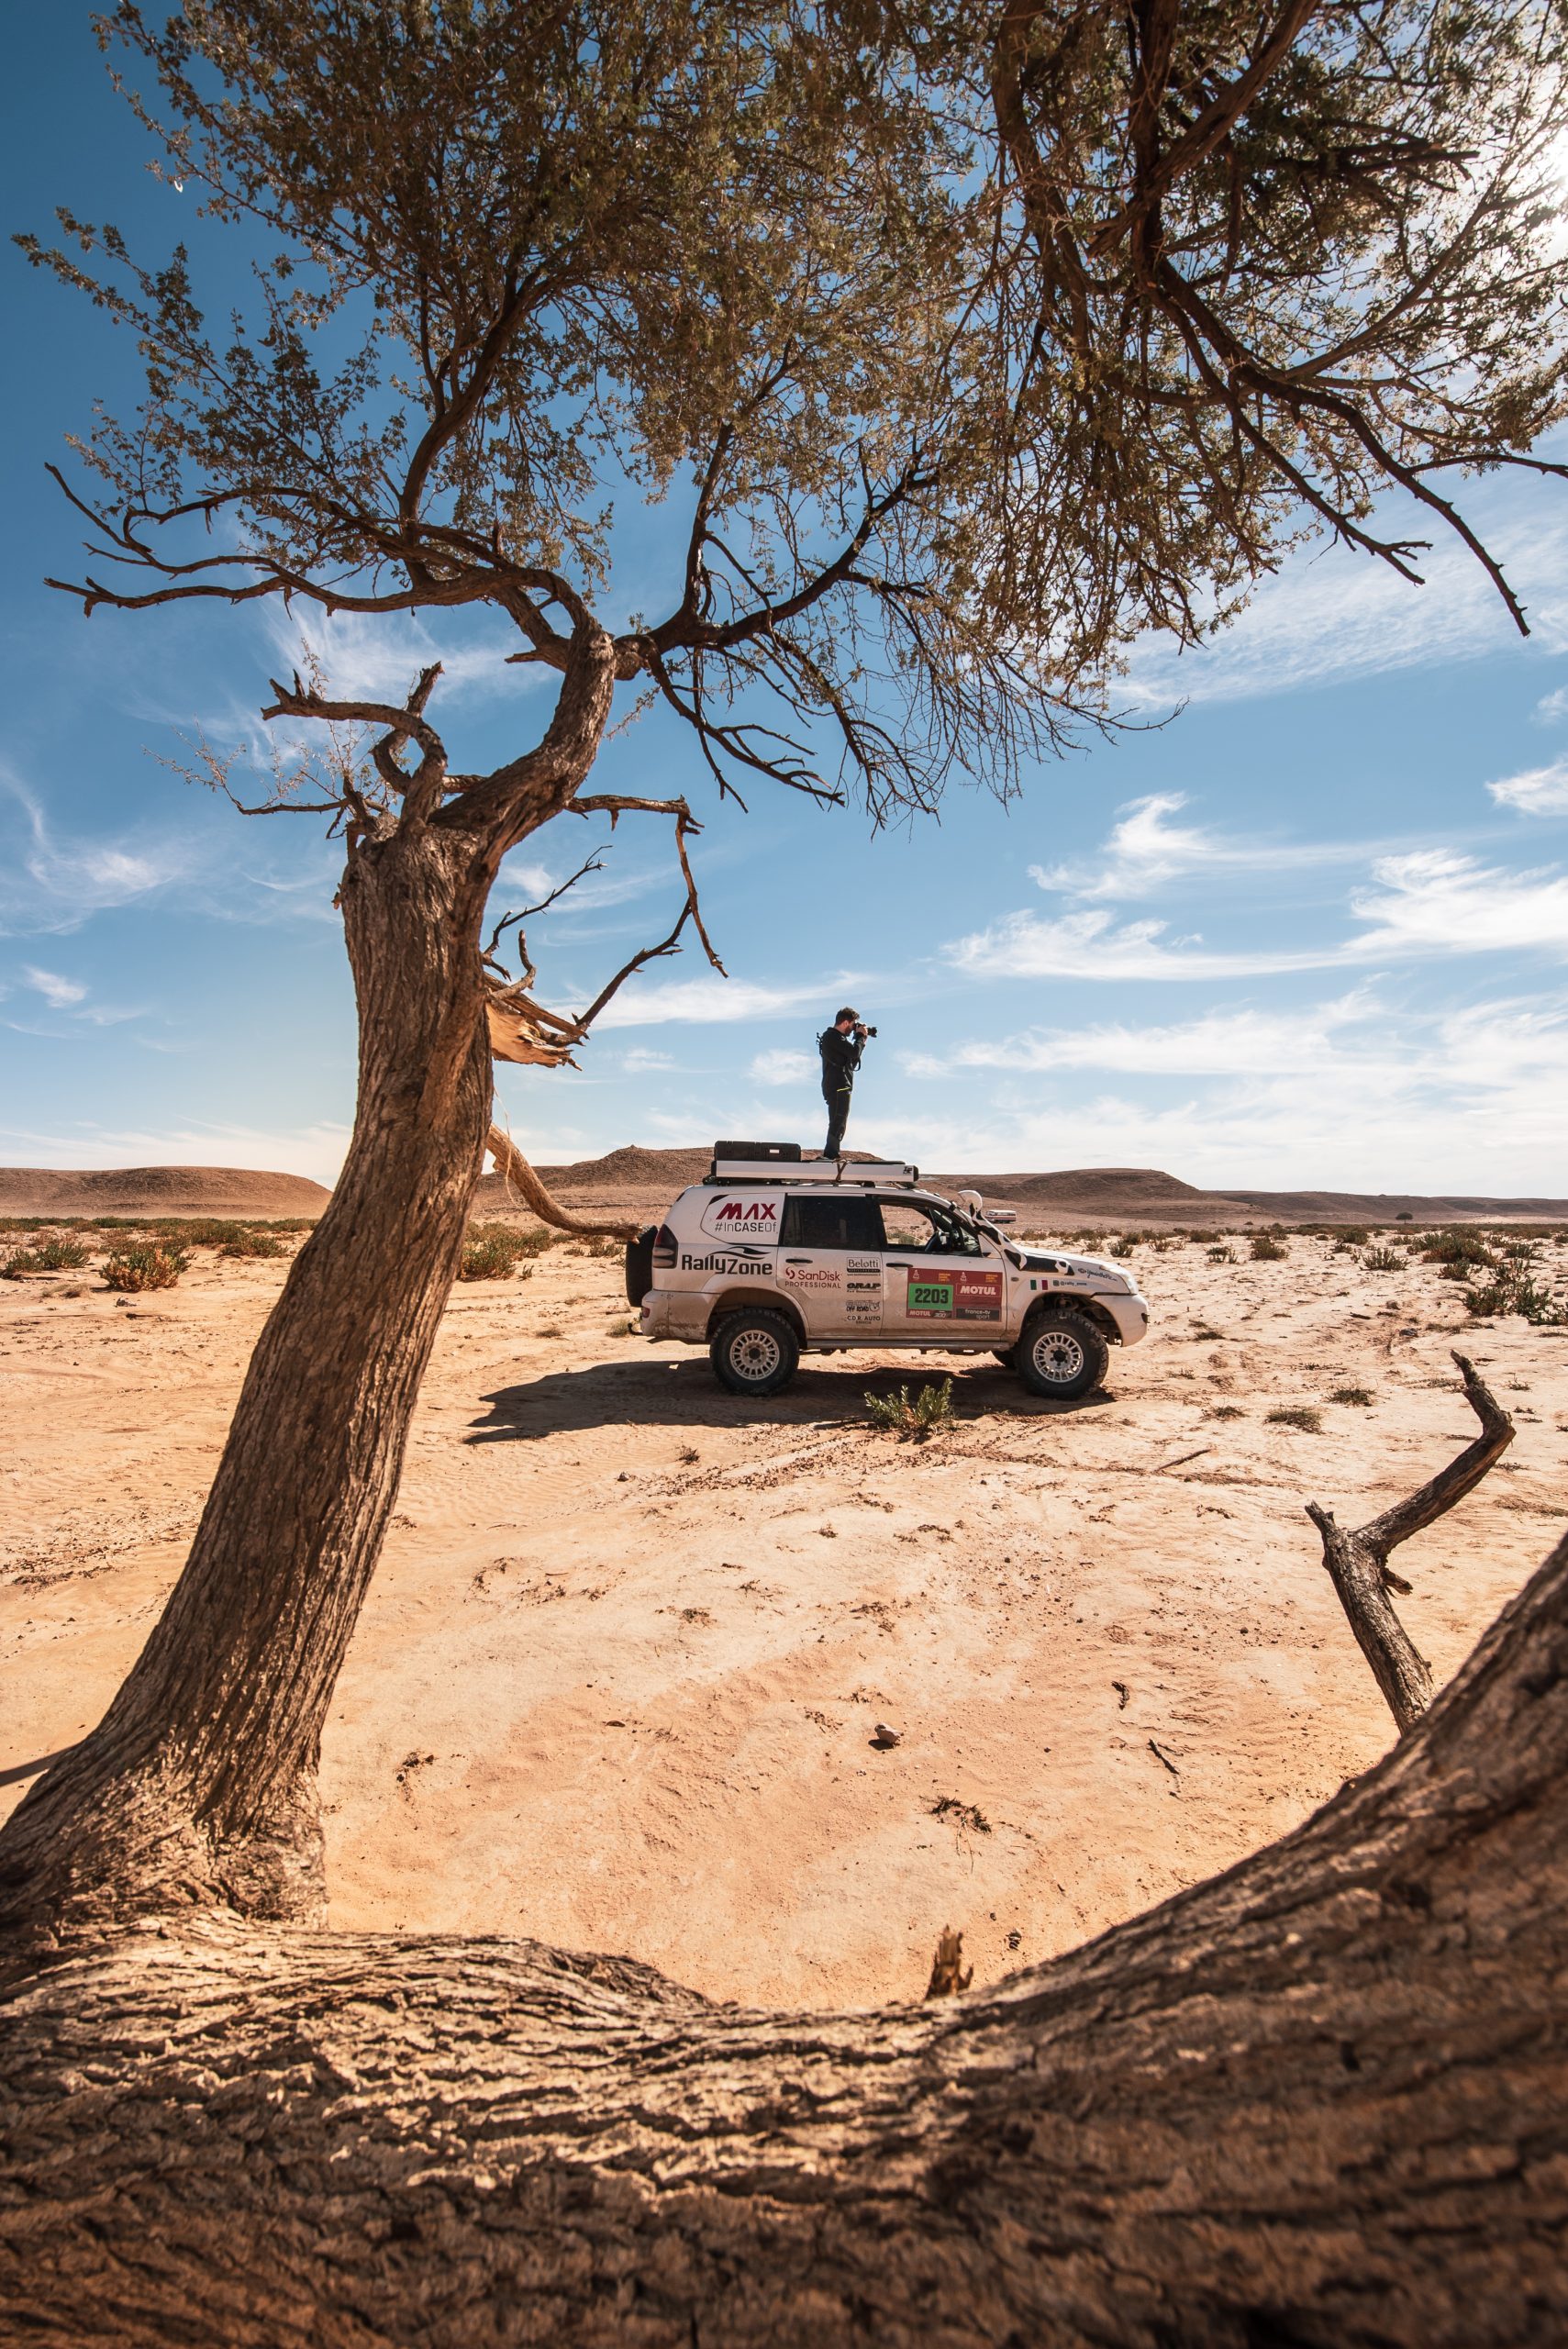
(1061, 1355)
(754, 1351)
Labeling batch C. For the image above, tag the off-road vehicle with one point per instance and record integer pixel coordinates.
(774, 1256)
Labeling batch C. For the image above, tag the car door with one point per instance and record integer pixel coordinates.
(829, 1263)
(940, 1280)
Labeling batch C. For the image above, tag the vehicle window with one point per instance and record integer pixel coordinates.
(926, 1232)
(847, 1223)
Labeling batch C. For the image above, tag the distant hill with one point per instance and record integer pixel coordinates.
(157, 1190)
(1111, 1195)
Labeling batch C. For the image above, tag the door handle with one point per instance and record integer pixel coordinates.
(897, 1264)
(797, 1260)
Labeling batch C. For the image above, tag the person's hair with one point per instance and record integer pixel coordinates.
(846, 1014)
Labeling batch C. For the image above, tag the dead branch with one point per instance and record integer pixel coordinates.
(1358, 1561)
(517, 1174)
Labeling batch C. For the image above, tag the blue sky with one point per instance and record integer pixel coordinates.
(1314, 930)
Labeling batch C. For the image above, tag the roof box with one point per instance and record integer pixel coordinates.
(750, 1169)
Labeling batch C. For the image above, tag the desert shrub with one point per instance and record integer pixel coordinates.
(149, 1266)
(605, 1248)
(1122, 1247)
(1267, 1250)
(1221, 1255)
(1304, 1417)
(1383, 1260)
(1359, 1396)
(1225, 1411)
(1456, 1248)
(1521, 1251)
(913, 1422)
(49, 1256)
(253, 1244)
(1514, 1292)
(1350, 1236)
(492, 1254)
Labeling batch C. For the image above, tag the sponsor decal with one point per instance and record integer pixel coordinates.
(810, 1276)
(717, 1261)
(742, 1219)
(862, 1310)
(873, 1288)
(954, 1297)
(864, 1264)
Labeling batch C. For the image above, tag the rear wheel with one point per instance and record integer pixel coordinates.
(754, 1351)
(1061, 1355)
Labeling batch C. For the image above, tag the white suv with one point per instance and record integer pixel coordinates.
(774, 1256)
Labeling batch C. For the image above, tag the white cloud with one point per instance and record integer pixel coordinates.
(1543, 791)
(637, 1060)
(1345, 1095)
(782, 1067)
(51, 886)
(1430, 903)
(1146, 851)
(1553, 706)
(714, 1000)
(56, 991)
(1330, 612)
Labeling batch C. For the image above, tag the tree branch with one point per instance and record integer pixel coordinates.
(1358, 1561)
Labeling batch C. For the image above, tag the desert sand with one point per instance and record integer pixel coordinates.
(617, 1676)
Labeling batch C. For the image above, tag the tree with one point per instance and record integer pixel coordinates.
(982, 343)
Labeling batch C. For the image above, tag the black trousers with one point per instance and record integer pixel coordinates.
(837, 1099)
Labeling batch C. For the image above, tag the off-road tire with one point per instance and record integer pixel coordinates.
(754, 1351)
(1061, 1355)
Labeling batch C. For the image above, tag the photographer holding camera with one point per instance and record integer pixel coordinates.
(840, 1047)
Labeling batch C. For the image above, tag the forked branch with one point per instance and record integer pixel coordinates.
(1358, 1560)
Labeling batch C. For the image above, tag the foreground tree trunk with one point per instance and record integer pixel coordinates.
(199, 1783)
(1322, 2099)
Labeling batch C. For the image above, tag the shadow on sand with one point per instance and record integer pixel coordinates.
(686, 1393)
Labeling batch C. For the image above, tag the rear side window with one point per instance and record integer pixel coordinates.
(847, 1223)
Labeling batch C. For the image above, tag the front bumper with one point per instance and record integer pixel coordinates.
(1130, 1312)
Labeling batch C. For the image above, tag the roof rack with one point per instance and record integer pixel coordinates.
(768, 1162)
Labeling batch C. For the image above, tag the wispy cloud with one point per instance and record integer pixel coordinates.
(640, 1060)
(1543, 791)
(49, 885)
(1431, 903)
(713, 1000)
(1343, 1094)
(1145, 852)
(782, 1067)
(56, 991)
(1332, 613)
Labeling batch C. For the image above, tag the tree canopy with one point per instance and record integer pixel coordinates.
(962, 345)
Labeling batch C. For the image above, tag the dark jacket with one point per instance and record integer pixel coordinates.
(841, 1058)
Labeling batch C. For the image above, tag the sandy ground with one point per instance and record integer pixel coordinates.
(616, 1681)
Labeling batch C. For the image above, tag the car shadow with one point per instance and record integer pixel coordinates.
(686, 1393)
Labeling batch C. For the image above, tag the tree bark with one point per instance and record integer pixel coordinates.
(515, 1169)
(199, 1783)
(1321, 2100)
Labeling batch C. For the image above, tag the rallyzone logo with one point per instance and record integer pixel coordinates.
(715, 1263)
(754, 1219)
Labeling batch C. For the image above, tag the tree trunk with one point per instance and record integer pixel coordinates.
(199, 1783)
(1321, 2100)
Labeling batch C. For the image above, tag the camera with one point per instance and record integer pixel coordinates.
(865, 1031)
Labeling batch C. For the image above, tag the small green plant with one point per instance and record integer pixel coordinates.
(1124, 1246)
(1383, 1260)
(1267, 1250)
(604, 1249)
(1513, 1293)
(913, 1422)
(151, 1267)
(253, 1244)
(1359, 1396)
(492, 1254)
(49, 1256)
(1303, 1416)
(1221, 1255)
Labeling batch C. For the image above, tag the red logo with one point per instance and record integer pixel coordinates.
(749, 1212)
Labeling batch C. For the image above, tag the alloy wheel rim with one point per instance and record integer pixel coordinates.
(756, 1355)
(1058, 1356)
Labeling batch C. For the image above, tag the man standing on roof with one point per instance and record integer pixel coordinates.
(840, 1047)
